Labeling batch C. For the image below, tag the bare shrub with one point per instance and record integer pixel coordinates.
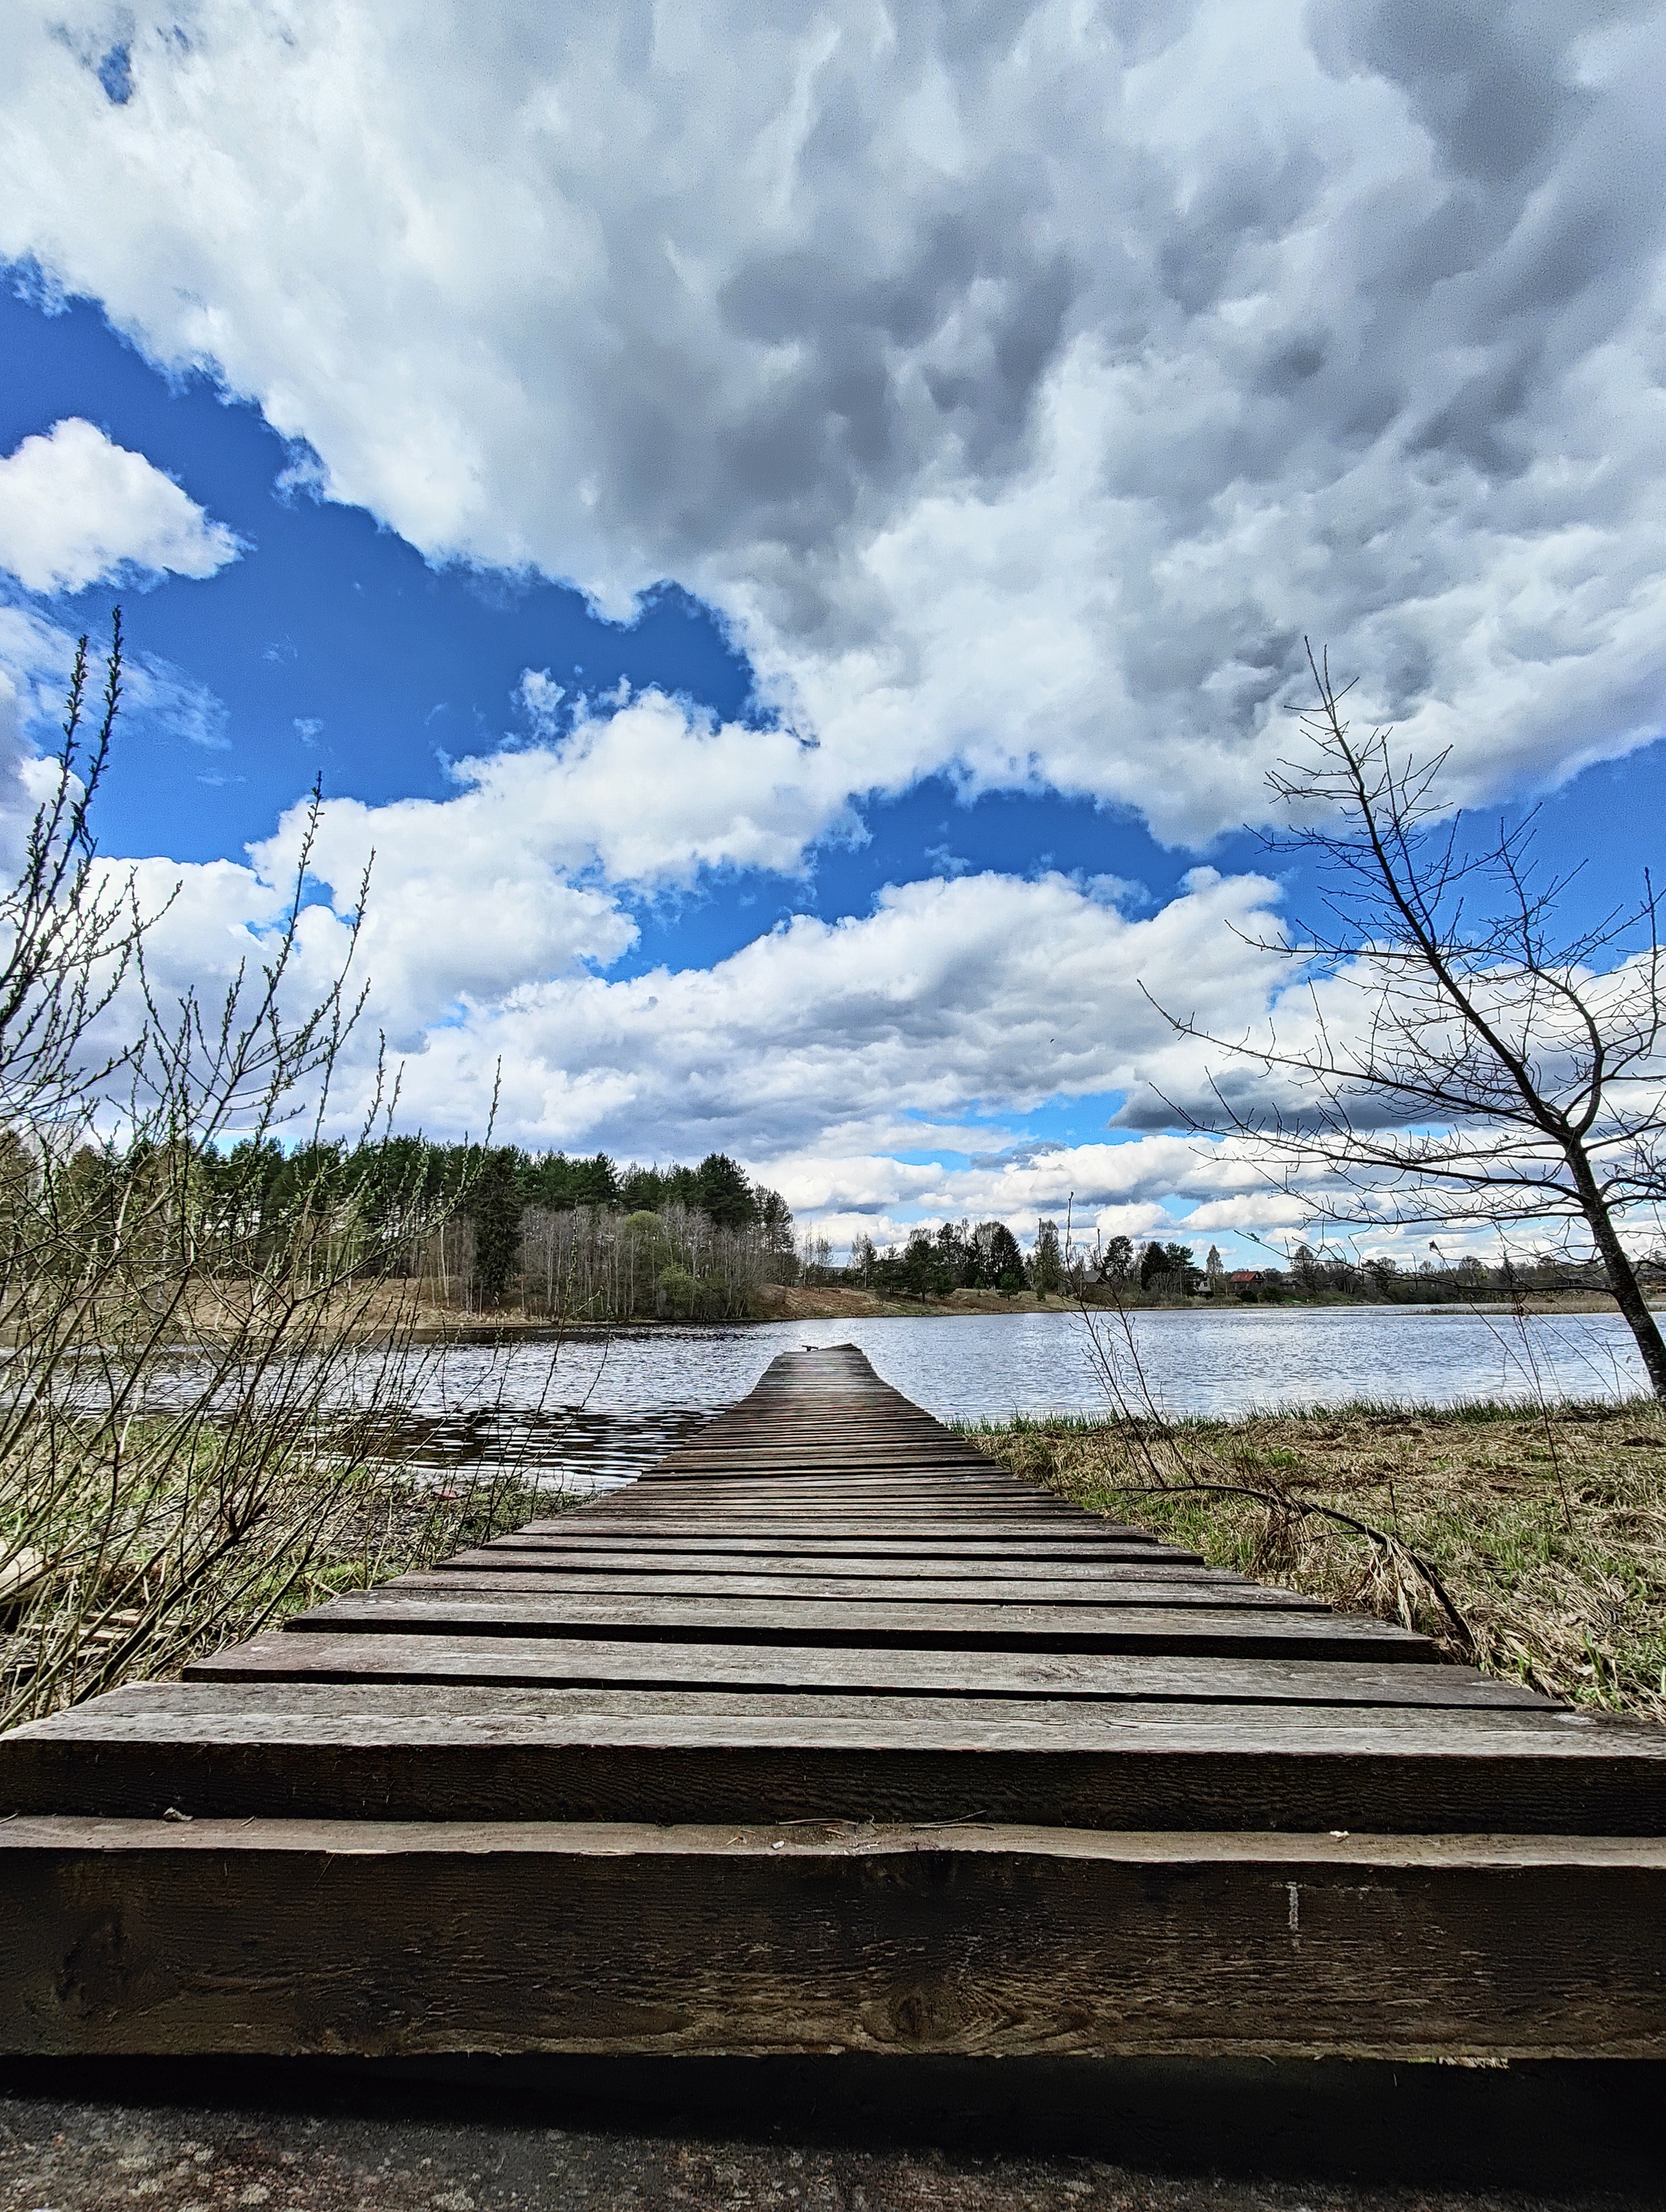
(201, 1365)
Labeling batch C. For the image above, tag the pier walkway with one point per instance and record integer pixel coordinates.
(827, 1734)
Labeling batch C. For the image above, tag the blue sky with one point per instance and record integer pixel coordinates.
(795, 599)
(330, 648)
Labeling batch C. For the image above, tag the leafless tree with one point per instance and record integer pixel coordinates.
(1461, 1059)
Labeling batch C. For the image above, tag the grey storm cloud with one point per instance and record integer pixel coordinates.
(1021, 381)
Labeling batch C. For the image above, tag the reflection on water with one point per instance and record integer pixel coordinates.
(594, 1412)
(598, 1410)
(579, 1450)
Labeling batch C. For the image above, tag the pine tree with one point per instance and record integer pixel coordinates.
(775, 1218)
(496, 1208)
(1047, 1260)
(1116, 1261)
(723, 1194)
(1003, 1262)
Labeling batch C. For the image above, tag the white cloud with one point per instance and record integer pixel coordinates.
(1160, 1185)
(1018, 384)
(820, 1052)
(1021, 384)
(539, 698)
(649, 793)
(77, 509)
(923, 1024)
(982, 996)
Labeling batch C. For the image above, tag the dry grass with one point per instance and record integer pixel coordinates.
(135, 1573)
(1531, 1544)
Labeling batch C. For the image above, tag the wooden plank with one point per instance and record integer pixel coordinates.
(906, 1511)
(1179, 1586)
(1034, 1577)
(865, 1538)
(504, 1557)
(973, 1477)
(855, 1460)
(897, 1524)
(280, 1714)
(703, 1763)
(456, 1752)
(740, 1551)
(766, 1669)
(125, 1938)
(1196, 1630)
(804, 1494)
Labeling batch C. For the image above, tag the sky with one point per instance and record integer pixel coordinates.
(789, 531)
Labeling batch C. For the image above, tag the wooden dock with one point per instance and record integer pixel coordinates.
(829, 1735)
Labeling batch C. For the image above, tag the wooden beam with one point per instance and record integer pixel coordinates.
(390, 1939)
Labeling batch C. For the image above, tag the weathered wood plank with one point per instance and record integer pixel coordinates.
(574, 1533)
(899, 1522)
(704, 1765)
(805, 1496)
(158, 1713)
(1178, 1629)
(1180, 1586)
(448, 1751)
(766, 1669)
(503, 1557)
(127, 1936)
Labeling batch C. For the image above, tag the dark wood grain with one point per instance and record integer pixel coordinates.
(1113, 1586)
(763, 1669)
(1191, 1629)
(391, 1939)
(450, 1751)
(1126, 1564)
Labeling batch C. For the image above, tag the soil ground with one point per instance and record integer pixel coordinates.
(934, 2136)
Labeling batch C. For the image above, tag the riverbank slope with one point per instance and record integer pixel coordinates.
(1531, 1544)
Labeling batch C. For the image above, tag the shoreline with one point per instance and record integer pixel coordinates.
(435, 1327)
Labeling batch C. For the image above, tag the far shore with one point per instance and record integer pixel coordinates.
(437, 1325)
(389, 1316)
(804, 1303)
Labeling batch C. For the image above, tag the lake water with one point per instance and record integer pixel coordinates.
(593, 1413)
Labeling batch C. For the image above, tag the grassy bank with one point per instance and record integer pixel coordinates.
(126, 1572)
(1532, 1545)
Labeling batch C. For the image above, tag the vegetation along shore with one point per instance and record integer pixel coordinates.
(1528, 1541)
(510, 1238)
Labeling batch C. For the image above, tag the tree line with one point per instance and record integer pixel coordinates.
(487, 1201)
(958, 1256)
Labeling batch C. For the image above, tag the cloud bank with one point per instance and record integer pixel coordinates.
(951, 1004)
(1021, 382)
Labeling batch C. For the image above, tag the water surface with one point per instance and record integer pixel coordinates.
(592, 1412)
